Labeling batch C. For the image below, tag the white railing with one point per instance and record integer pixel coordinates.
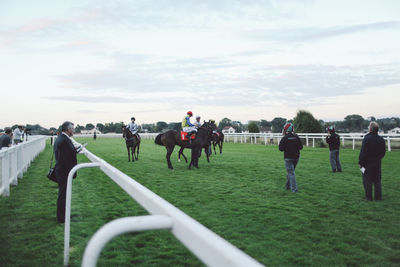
(210, 248)
(117, 135)
(274, 138)
(15, 160)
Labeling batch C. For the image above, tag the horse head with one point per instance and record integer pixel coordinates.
(124, 131)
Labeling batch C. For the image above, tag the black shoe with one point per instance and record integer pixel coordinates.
(339, 170)
(333, 170)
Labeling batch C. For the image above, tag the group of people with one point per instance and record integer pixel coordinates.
(371, 154)
(189, 127)
(12, 137)
(372, 151)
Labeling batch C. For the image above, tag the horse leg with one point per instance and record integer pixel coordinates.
(214, 144)
(137, 151)
(133, 148)
(181, 153)
(206, 152)
(170, 149)
(129, 155)
(220, 147)
(196, 159)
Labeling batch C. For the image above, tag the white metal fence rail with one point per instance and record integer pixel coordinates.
(310, 138)
(15, 160)
(210, 248)
(274, 138)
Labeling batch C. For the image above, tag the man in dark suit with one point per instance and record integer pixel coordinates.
(372, 151)
(65, 154)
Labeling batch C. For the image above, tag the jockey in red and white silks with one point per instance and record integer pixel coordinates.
(187, 126)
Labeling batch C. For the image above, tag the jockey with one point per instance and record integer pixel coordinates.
(133, 127)
(187, 126)
(197, 123)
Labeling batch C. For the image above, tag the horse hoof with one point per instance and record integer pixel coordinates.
(179, 160)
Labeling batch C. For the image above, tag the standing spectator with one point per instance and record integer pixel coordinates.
(65, 154)
(5, 139)
(18, 132)
(291, 146)
(372, 151)
(333, 139)
(94, 135)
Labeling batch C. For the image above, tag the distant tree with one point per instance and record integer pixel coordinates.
(265, 123)
(304, 122)
(78, 128)
(253, 127)
(161, 125)
(100, 127)
(387, 124)
(238, 126)
(149, 127)
(89, 126)
(223, 123)
(277, 124)
(354, 122)
(175, 126)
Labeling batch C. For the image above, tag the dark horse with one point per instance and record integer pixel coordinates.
(171, 138)
(132, 142)
(218, 139)
(207, 147)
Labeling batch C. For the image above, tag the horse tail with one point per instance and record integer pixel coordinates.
(158, 139)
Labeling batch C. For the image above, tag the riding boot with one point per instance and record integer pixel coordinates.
(189, 137)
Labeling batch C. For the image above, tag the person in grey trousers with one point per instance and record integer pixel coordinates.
(333, 140)
(291, 146)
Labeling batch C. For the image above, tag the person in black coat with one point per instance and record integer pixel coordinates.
(65, 154)
(372, 151)
(291, 146)
(333, 140)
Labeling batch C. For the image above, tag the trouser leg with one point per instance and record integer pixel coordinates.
(290, 165)
(62, 193)
(332, 159)
(367, 186)
(338, 165)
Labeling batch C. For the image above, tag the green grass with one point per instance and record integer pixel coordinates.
(239, 195)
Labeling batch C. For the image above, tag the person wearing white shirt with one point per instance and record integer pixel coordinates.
(18, 132)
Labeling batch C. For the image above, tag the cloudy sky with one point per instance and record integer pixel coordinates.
(91, 61)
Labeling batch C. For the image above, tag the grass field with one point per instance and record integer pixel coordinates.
(239, 195)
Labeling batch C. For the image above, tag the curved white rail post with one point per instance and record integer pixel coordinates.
(68, 206)
(118, 227)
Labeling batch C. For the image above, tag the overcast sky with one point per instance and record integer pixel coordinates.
(91, 61)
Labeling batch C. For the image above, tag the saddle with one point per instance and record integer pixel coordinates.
(185, 138)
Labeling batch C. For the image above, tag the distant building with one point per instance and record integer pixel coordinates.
(94, 130)
(394, 131)
(228, 129)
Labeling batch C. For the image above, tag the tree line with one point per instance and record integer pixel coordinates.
(304, 122)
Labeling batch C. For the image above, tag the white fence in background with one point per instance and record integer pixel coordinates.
(310, 138)
(274, 138)
(15, 160)
(210, 248)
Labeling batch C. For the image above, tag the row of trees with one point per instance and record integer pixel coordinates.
(304, 121)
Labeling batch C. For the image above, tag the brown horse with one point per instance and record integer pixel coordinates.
(171, 138)
(132, 142)
(218, 139)
(207, 147)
